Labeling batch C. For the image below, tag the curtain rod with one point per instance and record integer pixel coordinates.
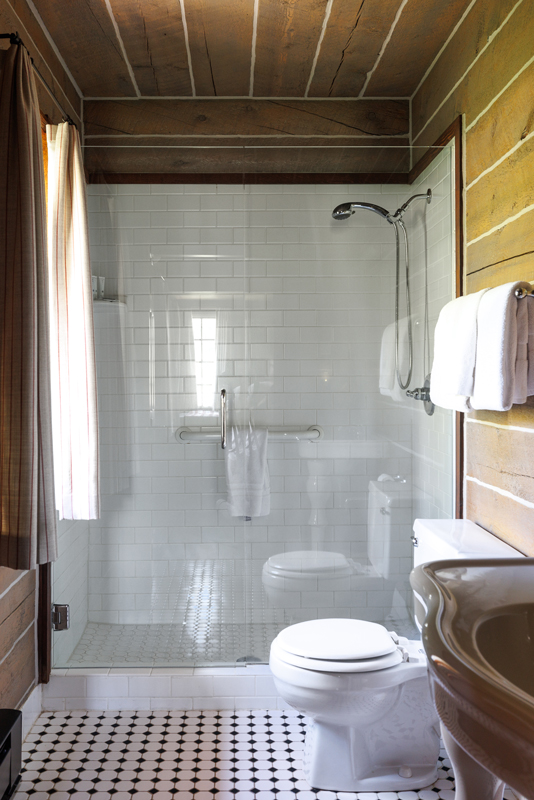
(14, 38)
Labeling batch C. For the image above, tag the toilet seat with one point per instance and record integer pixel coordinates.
(308, 563)
(337, 645)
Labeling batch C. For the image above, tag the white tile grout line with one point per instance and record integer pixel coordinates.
(493, 36)
(383, 48)
(253, 47)
(502, 492)
(123, 49)
(188, 50)
(328, 11)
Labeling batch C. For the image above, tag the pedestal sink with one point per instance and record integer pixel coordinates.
(479, 638)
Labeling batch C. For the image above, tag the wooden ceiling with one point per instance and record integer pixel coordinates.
(249, 48)
(289, 59)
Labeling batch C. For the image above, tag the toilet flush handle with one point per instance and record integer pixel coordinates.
(414, 540)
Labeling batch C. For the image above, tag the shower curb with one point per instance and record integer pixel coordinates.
(175, 689)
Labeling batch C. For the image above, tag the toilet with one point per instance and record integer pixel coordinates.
(372, 725)
(287, 576)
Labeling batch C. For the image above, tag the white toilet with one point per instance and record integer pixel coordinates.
(372, 725)
(287, 576)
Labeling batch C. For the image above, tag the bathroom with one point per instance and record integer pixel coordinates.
(225, 270)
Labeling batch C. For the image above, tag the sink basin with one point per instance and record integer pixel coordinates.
(479, 638)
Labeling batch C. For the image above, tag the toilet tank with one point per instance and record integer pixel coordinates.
(438, 539)
(389, 505)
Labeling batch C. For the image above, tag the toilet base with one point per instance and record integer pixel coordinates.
(356, 766)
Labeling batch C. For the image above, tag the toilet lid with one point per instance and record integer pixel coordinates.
(319, 665)
(304, 562)
(336, 640)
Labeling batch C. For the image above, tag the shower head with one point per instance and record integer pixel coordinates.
(345, 210)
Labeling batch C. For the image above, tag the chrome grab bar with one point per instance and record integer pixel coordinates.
(223, 419)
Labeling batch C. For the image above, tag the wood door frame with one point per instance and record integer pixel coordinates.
(453, 133)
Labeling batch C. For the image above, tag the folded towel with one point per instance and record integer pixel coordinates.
(530, 347)
(521, 359)
(455, 347)
(247, 472)
(497, 349)
(388, 383)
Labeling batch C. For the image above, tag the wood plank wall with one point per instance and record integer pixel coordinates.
(485, 73)
(18, 619)
(17, 636)
(17, 16)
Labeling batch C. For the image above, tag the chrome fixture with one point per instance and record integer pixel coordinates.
(223, 419)
(312, 434)
(60, 617)
(423, 393)
(344, 211)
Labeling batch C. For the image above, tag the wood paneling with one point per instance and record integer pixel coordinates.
(502, 193)
(200, 118)
(17, 655)
(17, 16)
(493, 88)
(351, 44)
(510, 121)
(520, 268)
(421, 31)
(288, 34)
(479, 25)
(17, 672)
(504, 57)
(154, 40)
(221, 63)
(18, 620)
(7, 577)
(506, 518)
(15, 596)
(501, 457)
(86, 36)
(513, 239)
(241, 160)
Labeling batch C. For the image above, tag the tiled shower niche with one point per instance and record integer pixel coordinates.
(259, 291)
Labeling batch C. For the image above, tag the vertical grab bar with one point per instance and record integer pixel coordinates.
(223, 419)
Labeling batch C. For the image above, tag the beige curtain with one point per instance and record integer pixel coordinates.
(28, 535)
(74, 401)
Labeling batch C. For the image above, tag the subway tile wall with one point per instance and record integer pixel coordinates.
(70, 576)
(300, 303)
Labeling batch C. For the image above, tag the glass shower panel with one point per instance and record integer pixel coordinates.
(255, 290)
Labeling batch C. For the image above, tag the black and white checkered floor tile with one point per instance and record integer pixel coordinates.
(187, 755)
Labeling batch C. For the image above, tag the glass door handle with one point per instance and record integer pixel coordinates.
(223, 419)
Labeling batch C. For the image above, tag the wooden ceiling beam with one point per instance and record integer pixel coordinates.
(201, 118)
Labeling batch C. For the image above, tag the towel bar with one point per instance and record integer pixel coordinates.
(522, 292)
(312, 434)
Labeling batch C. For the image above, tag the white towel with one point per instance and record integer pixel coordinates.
(388, 383)
(247, 472)
(530, 351)
(455, 347)
(497, 349)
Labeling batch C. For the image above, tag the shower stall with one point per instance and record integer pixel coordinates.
(256, 290)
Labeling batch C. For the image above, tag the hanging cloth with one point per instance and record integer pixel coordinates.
(73, 372)
(28, 534)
